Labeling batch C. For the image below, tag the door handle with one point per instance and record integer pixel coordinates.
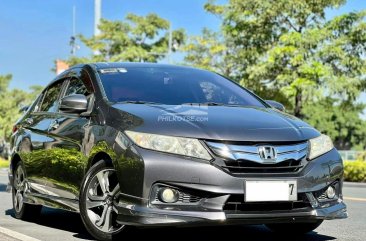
(29, 121)
(54, 125)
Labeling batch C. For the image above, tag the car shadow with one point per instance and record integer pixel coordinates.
(71, 222)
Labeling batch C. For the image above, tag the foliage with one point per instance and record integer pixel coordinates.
(289, 47)
(340, 121)
(137, 39)
(4, 163)
(355, 171)
(288, 51)
(362, 156)
(11, 102)
(208, 51)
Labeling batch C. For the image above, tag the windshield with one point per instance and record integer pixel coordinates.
(172, 86)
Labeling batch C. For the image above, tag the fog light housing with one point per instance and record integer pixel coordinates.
(168, 195)
(331, 192)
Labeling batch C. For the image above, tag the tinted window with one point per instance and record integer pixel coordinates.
(36, 106)
(76, 86)
(173, 86)
(49, 103)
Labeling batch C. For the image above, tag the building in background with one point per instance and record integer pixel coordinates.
(61, 66)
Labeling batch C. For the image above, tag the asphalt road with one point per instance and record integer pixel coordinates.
(58, 225)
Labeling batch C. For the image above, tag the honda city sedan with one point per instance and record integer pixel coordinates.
(140, 144)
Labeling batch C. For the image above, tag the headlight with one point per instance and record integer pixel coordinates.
(320, 146)
(176, 145)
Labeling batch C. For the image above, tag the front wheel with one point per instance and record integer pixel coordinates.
(294, 228)
(98, 202)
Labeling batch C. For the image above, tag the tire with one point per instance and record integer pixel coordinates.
(98, 200)
(293, 228)
(23, 211)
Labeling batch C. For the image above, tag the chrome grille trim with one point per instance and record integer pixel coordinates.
(251, 153)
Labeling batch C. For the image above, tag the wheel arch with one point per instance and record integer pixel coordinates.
(99, 157)
(14, 162)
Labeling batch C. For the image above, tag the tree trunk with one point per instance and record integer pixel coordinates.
(298, 104)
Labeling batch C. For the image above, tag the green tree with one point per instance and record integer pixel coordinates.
(137, 39)
(212, 51)
(208, 51)
(11, 102)
(290, 48)
(289, 51)
(341, 121)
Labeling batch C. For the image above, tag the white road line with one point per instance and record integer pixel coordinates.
(355, 199)
(17, 235)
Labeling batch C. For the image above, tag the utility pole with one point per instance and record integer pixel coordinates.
(97, 16)
(73, 20)
(73, 44)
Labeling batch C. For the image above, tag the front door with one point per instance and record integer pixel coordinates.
(68, 132)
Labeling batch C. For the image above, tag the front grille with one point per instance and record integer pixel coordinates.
(187, 198)
(241, 159)
(239, 167)
(236, 203)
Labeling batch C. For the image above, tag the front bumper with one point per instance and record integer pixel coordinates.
(136, 206)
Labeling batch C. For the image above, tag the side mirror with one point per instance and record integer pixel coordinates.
(276, 105)
(74, 104)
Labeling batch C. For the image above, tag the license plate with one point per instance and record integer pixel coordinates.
(262, 191)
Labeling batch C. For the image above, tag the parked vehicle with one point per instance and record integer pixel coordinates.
(154, 145)
(5, 150)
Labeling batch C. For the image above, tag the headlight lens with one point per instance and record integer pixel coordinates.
(176, 145)
(320, 146)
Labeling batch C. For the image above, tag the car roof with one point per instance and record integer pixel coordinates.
(103, 65)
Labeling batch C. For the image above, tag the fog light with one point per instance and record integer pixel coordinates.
(168, 195)
(331, 192)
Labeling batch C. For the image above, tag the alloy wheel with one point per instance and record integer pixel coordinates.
(101, 201)
(19, 187)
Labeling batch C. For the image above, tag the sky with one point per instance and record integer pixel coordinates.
(35, 33)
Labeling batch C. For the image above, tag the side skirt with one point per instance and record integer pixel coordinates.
(52, 201)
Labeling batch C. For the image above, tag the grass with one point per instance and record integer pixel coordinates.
(4, 163)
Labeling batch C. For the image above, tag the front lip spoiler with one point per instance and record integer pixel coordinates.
(145, 216)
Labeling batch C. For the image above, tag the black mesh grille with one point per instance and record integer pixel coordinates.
(236, 203)
(243, 166)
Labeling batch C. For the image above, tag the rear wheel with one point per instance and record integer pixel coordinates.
(294, 228)
(22, 210)
(98, 202)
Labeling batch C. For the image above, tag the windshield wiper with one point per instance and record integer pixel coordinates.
(205, 104)
(215, 104)
(138, 102)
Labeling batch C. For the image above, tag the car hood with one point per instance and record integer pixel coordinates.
(213, 122)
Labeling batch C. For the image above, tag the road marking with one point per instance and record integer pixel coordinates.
(355, 199)
(17, 235)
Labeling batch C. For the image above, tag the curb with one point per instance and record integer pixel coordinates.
(354, 184)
